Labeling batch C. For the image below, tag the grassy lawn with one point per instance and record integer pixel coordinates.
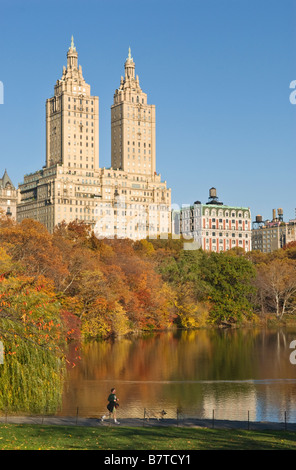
(47, 437)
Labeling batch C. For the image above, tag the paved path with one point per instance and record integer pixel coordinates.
(139, 422)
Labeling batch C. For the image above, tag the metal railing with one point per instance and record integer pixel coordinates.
(210, 418)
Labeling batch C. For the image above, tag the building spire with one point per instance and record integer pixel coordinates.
(72, 56)
(72, 47)
(129, 66)
(129, 54)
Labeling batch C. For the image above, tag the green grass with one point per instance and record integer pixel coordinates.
(48, 437)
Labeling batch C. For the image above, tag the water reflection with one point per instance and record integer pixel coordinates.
(230, 371)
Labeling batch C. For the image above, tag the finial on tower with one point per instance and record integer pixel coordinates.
(73, 48)
(129, 54)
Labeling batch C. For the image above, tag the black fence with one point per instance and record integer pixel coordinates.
(214, 418)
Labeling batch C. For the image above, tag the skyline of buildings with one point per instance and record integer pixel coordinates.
(228, 105)
(128, 199)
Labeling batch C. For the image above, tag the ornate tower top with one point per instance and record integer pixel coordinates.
(73, 72)
(72, 47)
(129, 67)
(72, 57)
(129, 54)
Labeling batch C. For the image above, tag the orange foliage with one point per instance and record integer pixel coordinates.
(109, 286)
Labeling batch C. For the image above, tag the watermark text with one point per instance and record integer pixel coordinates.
(293, 94)
(293, 353)
(1, 353)
(1, 93)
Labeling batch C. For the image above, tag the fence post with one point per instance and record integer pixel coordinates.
(285, 421)
(213, 419)
(77, 414)
(248, 420)
(144, 416)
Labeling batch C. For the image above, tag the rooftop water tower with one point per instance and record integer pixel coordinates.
(280, 214)
(213, 199)
(258, 222)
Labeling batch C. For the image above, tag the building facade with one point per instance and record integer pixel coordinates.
(270, 235)
(132, 126)
(72, 120)
(129, 199)
(8, 196)
(214, 226)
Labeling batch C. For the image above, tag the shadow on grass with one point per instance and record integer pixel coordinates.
(130, 438)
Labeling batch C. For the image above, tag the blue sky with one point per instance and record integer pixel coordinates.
(218, 72)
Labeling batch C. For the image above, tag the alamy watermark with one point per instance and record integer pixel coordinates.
(1, 93)
(293, 353)
(1, 353)
(293, 94)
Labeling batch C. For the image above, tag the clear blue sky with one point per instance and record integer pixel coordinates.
(218, 72)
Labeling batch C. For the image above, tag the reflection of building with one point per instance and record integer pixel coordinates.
(127, 200)
(214, 226)
(268, 236)
(8, 196)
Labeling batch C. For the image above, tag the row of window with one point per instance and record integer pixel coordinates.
(74, 114)
(80, 100)
(240, 235)
(80, 109)
(86, 144)
(227, 242)
(227, 213)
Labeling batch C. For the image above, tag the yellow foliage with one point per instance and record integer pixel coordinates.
(119, 320)
(192, 314)
(5, 261)
(94, 326)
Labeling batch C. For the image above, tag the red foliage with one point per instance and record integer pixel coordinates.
(72, 326)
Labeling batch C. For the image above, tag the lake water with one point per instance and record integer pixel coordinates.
(233, 372)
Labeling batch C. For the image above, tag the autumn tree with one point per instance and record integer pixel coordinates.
(30, 244)
(276, 282)
(229, 283)
(182, 273)
(31, 376)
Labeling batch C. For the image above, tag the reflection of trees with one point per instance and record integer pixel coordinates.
(232, 354)
(159, 368)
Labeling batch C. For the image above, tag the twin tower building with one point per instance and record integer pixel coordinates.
(129, 199)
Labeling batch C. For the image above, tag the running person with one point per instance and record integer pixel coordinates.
(112, 405)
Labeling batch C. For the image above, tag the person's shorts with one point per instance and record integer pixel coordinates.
(111, 407)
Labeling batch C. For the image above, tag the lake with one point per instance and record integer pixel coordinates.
(231, 371)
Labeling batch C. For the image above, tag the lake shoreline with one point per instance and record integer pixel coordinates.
(266, 321)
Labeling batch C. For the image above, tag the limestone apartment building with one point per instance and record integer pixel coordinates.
(214, 226)
(129, 199)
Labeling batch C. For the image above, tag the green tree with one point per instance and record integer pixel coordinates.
(230, 286)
